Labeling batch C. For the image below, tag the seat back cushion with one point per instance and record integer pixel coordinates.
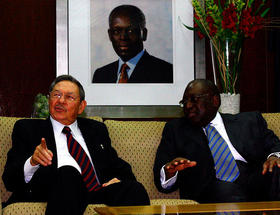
(136, 142)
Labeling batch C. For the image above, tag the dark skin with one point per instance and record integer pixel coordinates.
(201, 112)
(126, 36)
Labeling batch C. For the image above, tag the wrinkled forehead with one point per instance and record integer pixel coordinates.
(66, 86)
(195, 88)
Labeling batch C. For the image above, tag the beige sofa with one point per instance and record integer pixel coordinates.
(135, 141)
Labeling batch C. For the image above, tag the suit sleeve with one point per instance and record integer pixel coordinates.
(13, 176)
(165, 153)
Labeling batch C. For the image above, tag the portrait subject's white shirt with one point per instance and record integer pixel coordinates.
(64, 158)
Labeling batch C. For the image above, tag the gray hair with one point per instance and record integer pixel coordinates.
(71, 79)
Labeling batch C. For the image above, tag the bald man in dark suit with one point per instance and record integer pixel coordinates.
(186, 157)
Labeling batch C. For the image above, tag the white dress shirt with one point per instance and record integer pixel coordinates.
(64, 158)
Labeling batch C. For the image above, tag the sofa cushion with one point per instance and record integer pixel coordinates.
(6, 127)
(136, 142)
(38, 208)
(273, 122)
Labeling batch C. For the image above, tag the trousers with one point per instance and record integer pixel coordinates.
(69, 195)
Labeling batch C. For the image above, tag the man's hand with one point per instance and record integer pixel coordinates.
(178, 164)
(42, 155)
(112, 181)
(270, 163)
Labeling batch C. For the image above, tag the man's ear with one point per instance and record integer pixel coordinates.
(82, 106)
(216, 101)
(144, 34)
(109, 34)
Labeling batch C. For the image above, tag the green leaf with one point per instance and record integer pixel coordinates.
(250, 3)
(265, 12)
(188, 27)
(220, 6)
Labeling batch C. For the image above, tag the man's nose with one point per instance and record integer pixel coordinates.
(189, 104)
(62, 99)
(123, 34)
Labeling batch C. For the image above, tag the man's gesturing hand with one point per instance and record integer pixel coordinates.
(42, 155)
(270, 163)
(112, 181)
(177, 164)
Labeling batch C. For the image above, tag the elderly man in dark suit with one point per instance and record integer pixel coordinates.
(127, 33)
(66, 160)
(213, 157)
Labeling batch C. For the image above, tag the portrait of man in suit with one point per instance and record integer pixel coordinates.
(127, 33)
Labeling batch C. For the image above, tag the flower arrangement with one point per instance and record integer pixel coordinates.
(226, 24)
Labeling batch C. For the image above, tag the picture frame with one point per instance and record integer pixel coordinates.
(74, 16)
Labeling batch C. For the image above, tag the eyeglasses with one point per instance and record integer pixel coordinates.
(193, 99)
(58, 95)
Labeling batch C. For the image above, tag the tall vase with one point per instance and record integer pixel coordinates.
(226, 55)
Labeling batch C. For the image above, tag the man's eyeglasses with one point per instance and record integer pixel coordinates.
(193, 99)
(58, 95)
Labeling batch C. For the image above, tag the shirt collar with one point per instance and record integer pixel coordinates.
(58, 127)
(217, 120)
(132, 62)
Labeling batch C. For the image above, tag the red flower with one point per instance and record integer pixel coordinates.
(200, 35)
(250, 24)
(212, 28)
(229, 18)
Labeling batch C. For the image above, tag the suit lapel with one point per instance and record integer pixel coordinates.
(50, 140)
(233, 131)
(88, 134)
(139, 73)
(113, 72)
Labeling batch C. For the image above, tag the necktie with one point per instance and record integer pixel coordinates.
(123, 76)
(77, 152)
(226, 167)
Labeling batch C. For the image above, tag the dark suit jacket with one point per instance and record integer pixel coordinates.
(149, 69)
(27, 135)
(247, 132)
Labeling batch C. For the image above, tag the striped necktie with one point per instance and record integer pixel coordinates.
(226, 167)
(77, 152)
(123, 76)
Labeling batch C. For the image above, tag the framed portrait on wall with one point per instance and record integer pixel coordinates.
(90, 48)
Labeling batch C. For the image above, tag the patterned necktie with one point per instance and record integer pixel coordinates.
(77, 152)
(226, 167)
(123, 76)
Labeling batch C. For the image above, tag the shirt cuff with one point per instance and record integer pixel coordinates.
(29, 170)
(167, 184)
(276, 154)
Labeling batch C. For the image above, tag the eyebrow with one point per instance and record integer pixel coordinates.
(64, 93)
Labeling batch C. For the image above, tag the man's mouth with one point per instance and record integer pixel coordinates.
(123, 48)
(59, 108)
(192, 114)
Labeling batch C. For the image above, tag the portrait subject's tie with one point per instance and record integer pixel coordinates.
(225, 164)
(123, 76)
(77, 152)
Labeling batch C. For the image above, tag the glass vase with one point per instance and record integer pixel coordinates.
(226, 54)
